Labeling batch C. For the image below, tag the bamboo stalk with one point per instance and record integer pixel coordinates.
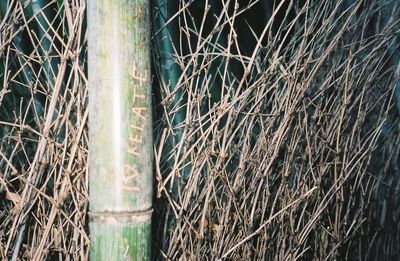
(169, 71)
(120, 130)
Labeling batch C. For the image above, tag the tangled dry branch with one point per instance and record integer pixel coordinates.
(298, 156)
(43, 116)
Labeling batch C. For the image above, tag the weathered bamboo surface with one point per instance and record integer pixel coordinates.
(120, 129)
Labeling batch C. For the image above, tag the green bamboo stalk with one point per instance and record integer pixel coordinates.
(120, 129)
(169, 72)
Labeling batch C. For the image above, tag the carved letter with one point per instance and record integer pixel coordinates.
(140, 111)
(133, 151)
(136, 138)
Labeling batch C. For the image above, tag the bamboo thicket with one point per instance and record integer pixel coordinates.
(43, 130)
(277, 130)
(291, 132)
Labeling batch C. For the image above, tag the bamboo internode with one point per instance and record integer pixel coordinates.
(120, 133)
